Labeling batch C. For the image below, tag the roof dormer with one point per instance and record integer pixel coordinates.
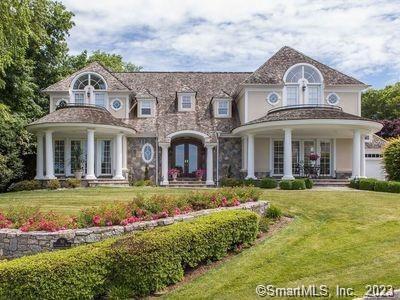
(186, 99)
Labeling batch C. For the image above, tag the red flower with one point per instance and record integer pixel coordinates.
(96, 220)
(177, 211)
(236, 202)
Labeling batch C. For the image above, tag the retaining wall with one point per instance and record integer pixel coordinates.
(15, 243)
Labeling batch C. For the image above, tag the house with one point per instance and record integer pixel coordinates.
(274, 121)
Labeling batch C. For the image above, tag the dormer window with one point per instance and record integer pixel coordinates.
(89, 88)
(222, 108)
(146, 108)
(303, 85)
(186, 101)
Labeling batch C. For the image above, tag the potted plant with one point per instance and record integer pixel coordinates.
(78, 161)
(174, 172)
(200, 173)
(313, 158)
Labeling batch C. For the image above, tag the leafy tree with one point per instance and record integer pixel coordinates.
(391, 129)
(15, 142)
(114, 62)
(391, 159)
(381, 104)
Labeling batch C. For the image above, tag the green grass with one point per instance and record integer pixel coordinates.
(349, 238)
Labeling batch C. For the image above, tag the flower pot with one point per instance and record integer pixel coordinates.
(174, 177)
(78, 174)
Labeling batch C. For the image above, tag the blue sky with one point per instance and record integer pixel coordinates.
(360, 38)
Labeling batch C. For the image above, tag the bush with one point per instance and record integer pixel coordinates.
(298, 184)
(143, 182)
(53, 184)
(78, 273)
(367, 184)
(148, 261)
(381, 186)
(230, 182)
(73, 183)
(354, 183)
(285, 184)
(309, 183)
(391, 159)
(250, 182)
(394, 187)
(264, 224)
(25, 185)
(268, 183)
(273, 212)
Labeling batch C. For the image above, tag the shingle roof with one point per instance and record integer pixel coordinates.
(376, 142)
(113, 83)
(81, 114)
(273, 70)
(305, 113)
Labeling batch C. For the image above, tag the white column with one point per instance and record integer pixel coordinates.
(356, 153)
(210, 164)
(118, 158)
(90, 155)
(49, 155)
(362, 157)
(164, 163)
(287, 156)
(39, 157)
(250, 156)
(334, 158)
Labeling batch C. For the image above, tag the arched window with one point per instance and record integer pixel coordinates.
(303, 85)
(89, 88)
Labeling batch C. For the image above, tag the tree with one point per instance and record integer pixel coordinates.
(114, 62)
(391, 129)
(391, 159)
(381, 104)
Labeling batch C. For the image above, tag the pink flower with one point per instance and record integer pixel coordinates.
(96, 220)
(124, 222)
(236, 202)
(109, 223)
(177, 211)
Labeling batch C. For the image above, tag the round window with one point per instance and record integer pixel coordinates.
(116, 104)
(332, 99)
(61, 103)
(147, 153)
(273, 98)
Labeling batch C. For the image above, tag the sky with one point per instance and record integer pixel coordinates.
(359, 37)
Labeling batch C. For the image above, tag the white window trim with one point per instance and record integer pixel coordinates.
(216, 108)
(193, 102)
(333, 104)
(152, 108)
(54, 156)
(112, 104)
(84, 91)
(99, 154)
(62, 99)
(269, 95)
(152, 153)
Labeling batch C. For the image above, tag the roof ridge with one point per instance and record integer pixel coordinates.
(109, 71)
(202, 72)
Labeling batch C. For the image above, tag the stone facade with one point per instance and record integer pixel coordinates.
(136, 164)
(15, 243)
(230, 155)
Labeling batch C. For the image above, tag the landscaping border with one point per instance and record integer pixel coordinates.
(15, 243)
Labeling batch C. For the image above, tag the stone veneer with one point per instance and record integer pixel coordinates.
(15, 243)
(230, 154)
(135, 161)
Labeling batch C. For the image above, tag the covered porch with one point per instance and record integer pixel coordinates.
(71, 141)
(306, 147)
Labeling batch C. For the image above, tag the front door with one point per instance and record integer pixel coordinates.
(187, 157)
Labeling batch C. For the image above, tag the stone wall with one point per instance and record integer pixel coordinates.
(135, 162)
(15, 243)
(230, 154)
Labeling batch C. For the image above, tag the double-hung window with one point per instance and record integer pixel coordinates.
(292, 95)
(100, 99)
(145, 108)
(186, 102)
(223, 108)
(79, 97)
(59, 157)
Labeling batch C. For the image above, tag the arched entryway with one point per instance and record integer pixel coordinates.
(188, 155)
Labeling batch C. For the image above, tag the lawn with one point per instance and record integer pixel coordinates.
(346, 238)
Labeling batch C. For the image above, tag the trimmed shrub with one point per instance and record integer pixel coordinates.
(230, 182)
(285, 184)
(298, 184)
(381, 186)
(309, 183)
(354, 183)
(78, 273)
(143, 182)
(149, 261)
(391, 159)
(250, 182)
(268, 183)
(273, 212)
(73, 183)
(367, 184)
(394, 187)
(53, 184)
(25, 185)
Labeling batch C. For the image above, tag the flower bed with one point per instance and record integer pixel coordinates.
(119, 213)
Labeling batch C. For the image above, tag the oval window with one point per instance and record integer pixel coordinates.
(116, 104)
(147, 153)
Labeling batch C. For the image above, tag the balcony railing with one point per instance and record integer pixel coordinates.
(67, 105)
(300, 106)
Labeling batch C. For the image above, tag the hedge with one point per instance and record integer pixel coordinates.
(371, 184)
(296, 184)
(285, 184)
(25, 185)
(134, 265)
(158, 258)
(268, 183)
(78, 273)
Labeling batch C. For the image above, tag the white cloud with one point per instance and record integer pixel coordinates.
(358, 37)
